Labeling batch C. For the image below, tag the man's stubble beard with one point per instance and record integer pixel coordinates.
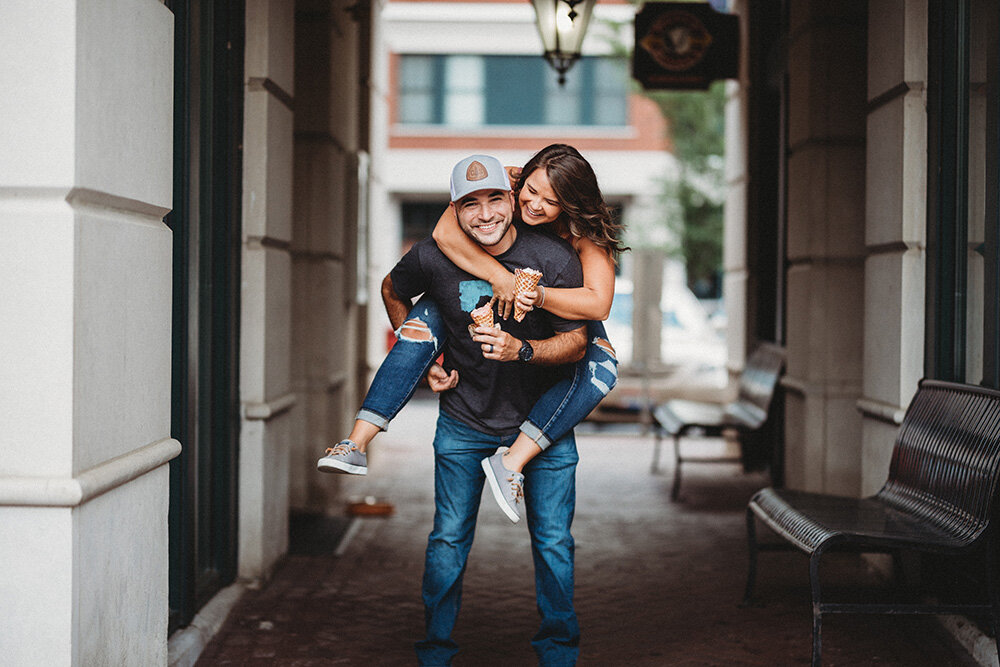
(471, 234)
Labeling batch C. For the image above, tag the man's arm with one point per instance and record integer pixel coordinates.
(396, 307)
(564, 347)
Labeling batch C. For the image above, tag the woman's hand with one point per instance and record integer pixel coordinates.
(503, 291)
(527, 301)
(513, 173)
(497, 344)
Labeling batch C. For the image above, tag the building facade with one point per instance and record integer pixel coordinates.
(862, 219)
(183, 184)
(199, 198)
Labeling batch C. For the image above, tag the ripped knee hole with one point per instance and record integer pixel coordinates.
(416, 330)
(606, 346)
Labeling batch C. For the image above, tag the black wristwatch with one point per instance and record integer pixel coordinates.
(526, 353)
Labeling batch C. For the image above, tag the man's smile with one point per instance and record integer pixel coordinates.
(487, 227)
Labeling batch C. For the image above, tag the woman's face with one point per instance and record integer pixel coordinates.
(537, 200)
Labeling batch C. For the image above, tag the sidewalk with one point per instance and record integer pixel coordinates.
(658, 583)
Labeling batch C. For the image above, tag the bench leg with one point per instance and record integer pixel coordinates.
(655, 467)
(898, 570)
(752, 558)
(817, 634)
(993, 587)
(676, 490)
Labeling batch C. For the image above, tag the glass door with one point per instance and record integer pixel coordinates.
(206, 219)
(963, 262)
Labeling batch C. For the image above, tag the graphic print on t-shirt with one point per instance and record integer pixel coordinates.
(471, 292)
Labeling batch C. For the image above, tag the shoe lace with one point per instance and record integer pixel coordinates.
(516, 489)
(341, 448)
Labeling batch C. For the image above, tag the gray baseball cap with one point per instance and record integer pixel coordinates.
(478, 172)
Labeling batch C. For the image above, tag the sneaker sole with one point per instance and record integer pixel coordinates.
(337, 466)
(497, 492)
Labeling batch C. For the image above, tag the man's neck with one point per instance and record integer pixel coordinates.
(505, 243)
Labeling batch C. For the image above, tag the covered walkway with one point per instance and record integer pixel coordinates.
(658, 583)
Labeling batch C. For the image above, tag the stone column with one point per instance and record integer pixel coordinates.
(895, 221)
(825, 244)
(265, 325)
(85, 182)
(330, 161)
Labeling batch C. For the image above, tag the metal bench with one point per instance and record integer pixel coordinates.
(938, 499)
(745, 415)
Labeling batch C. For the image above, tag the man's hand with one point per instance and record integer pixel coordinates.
(440, 380)
(497, 344)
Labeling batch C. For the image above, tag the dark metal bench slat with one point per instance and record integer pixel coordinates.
(938, 497)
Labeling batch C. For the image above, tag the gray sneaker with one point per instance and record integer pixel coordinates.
(507, 485)
(344, 457)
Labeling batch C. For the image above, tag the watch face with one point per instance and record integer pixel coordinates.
(526, 352)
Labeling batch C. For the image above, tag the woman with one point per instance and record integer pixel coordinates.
(558, 188)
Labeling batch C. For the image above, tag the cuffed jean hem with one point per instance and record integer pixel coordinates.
(373, 418)
(536, 434)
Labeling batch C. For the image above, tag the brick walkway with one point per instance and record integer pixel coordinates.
(658, 583)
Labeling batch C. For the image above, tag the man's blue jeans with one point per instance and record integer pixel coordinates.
(555, 414)
(550, 499)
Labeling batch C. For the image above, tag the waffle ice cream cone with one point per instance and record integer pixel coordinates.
(525, 280)
(483, 316)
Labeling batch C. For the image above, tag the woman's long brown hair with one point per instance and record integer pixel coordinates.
(574, 182)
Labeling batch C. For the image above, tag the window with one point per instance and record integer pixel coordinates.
(469, 91)
(416, 89)
(963, 195)
(463, 91)
(419, 219)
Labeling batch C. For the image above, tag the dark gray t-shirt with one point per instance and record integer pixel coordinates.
(491, 396)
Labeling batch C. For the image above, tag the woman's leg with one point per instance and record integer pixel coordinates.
(555, 414)
(418, 344)
(568, 402)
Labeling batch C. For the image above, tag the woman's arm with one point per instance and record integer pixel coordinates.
(468, 256)
(593, 300)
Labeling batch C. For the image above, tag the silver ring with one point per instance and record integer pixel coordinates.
(489, 351)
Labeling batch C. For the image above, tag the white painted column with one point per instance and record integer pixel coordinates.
(85, 269)
(895, 220)
(825, 246)
(327, 349)
(265, 326)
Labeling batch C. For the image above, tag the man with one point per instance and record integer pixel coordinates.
(488, 384)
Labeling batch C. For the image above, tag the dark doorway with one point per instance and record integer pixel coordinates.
(208, 127)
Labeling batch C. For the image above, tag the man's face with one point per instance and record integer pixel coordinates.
(485, 215)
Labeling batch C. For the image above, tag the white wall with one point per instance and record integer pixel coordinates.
(85, 180)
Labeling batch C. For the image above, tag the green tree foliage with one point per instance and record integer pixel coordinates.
(697, 131)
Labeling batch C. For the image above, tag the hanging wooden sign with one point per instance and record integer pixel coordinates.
(684, 46)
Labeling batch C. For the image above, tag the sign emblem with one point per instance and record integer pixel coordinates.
(677, 41)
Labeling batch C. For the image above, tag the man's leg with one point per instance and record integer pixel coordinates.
(458, 486)
(550, 500)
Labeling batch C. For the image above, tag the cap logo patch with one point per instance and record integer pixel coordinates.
(476, 171)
